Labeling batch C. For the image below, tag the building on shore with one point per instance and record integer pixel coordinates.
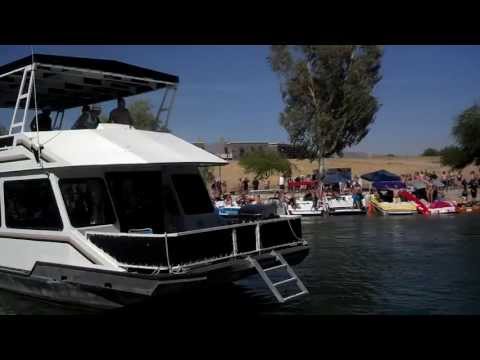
(235, 150)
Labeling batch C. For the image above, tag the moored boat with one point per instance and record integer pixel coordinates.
(306, 208)
(110, 216)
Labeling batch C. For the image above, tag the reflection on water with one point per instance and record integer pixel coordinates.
(357, 265)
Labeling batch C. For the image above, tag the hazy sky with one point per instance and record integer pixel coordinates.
(230, 91)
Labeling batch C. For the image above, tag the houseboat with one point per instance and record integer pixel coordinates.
(113, 215)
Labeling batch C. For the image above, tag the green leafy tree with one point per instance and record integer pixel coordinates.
(264, 163)
(454, 157)
(431, 152)
(466, 132)
(327, 91)
(143, 117)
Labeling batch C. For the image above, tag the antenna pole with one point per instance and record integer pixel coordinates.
(36, 110)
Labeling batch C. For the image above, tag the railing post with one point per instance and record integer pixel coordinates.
(234, 241)
(257, 237)
(168, 255)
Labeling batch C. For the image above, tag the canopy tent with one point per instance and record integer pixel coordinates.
(337, 175)
(380, 175)
(385, 185)
(64, 82)
(334, 178)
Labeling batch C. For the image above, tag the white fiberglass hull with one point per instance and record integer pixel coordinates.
(306, 208)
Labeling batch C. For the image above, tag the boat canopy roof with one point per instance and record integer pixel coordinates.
(337, 175)
(381, 175)
(64, 82)
(108, 145)
(387, 185)
(335, 178)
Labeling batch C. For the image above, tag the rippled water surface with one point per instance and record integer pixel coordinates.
(357, 265)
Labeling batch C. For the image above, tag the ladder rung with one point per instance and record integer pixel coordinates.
(24, 96)
(284, 281)
(17, 124)
(275, 267)
(295, 295)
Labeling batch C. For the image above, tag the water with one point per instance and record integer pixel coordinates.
(357, 265)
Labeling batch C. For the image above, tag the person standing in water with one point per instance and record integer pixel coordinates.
(473, 184)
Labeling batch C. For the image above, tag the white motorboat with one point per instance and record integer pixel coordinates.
(343, 205)
(111, 216)
(306, 208)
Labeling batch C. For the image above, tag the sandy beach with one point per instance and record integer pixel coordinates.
(232, 172)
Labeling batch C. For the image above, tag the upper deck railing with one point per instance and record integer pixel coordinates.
(36, 85)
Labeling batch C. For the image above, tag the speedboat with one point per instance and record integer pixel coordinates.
(113, 216)
(227, 211)
(437, 207)
(386, 204)
(343, 205)
(306, 208)
(393, 208)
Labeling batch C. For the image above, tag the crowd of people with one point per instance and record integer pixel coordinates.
(437, 184)
(435, 187)
(242, 194)
(88, 119)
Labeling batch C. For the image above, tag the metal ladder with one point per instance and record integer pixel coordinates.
(274, 285)
(27, 81)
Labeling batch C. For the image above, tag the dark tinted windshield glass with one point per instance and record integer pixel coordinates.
(30, 204)
(87, 202)
(138, 200)
(192, 193)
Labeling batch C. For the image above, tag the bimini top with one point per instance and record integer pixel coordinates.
(381, 175)
(64, 82)
(108, 145)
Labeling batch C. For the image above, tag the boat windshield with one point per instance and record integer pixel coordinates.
(386, 195)
(137, 197)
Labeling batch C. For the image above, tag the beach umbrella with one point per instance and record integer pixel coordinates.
(380, 175)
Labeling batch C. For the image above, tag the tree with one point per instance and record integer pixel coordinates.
(454, 157)
(327, 91)
(264, 163)
(431, 152)
(466, 132)
(142, 116)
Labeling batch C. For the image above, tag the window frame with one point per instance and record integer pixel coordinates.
(58, 202)
(179, 198)
(110, 175)
(107, 193)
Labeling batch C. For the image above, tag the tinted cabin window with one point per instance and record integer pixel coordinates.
(30, 204)
(192, 193)
(87, 202)
(138, 200)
